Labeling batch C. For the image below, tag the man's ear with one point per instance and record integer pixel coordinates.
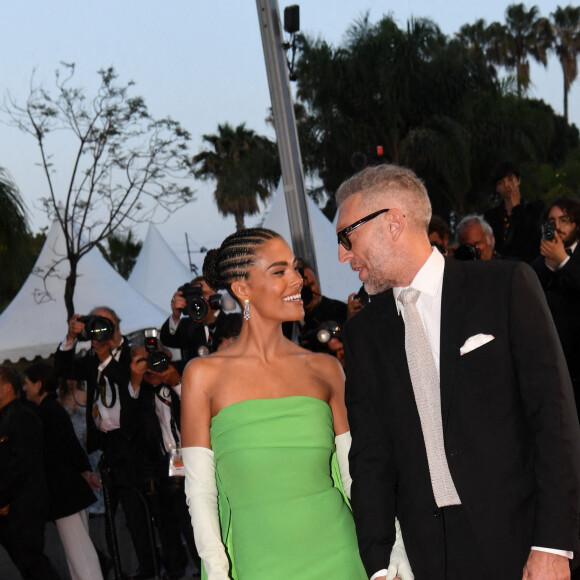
(395, 223)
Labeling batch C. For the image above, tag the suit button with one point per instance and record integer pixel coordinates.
(437, 513)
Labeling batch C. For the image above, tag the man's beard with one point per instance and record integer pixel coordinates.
(380, 267)
(374, 285)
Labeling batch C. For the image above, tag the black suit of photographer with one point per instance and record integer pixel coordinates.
(562, 289)
(166, 496)
(190, 335)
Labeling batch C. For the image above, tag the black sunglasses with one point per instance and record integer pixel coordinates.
(342, 235)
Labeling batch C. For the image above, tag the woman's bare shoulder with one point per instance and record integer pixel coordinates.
(325, 364)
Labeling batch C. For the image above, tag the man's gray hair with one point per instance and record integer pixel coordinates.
(390, 186)
(110, 311)
(472, 219)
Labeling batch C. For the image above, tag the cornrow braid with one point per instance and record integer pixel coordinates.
(234, 257)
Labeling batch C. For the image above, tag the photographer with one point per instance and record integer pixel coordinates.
(195, 317)
(558, 268)
(159, 386)
(474, 231)
(112, 416)
(318, 310)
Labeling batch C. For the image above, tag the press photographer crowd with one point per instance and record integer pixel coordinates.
(101, 426)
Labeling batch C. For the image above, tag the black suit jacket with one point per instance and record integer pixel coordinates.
(189, 336)
(22, 483)
(524, 233)
(151, 437)
(64, 461)
(562, 289)
(511, 435)
(117, 372)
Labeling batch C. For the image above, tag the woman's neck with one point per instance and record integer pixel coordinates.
(263, 339)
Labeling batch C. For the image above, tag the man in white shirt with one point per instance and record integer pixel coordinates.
(160, 413)
(112, 422)
(463, 426)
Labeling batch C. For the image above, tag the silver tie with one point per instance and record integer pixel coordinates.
(426, 389)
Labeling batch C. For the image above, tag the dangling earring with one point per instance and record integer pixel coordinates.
(246, 309)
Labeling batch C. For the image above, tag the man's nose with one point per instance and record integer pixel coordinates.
(344, 255)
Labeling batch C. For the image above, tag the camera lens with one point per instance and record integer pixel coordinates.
(197, 308)
(158, 361)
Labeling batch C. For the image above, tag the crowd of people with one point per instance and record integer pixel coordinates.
(452, 453)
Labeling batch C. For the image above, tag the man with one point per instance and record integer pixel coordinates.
(474, 230)
(318, 309)
(193, 337)
(459, 401)
(112, 422)
(160, 414)
(23, 494)
(515, 222)
(558, 268)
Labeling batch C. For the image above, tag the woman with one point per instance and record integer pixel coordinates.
(68, 475)
(260, 418)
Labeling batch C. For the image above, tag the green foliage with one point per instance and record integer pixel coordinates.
(18, 247)
(244, 166)
(121, 252)
(435, 104)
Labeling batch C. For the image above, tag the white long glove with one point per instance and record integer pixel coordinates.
(398, 564)
(202, 498)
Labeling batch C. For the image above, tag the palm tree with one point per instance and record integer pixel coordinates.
(245, 167)
(524, 34)
(566, 27)
(122, 252)
(14, 239)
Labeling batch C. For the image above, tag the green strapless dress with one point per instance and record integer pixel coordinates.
(282, 510)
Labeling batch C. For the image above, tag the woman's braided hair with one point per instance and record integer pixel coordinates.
(232, 260)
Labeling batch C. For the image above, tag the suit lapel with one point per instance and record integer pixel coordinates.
(392, 335)
(453, 314)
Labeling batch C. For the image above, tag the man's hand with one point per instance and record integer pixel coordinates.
(353, 305)
(92, 479)
(553, 251)
(75, 327)
(546, 566)
(139, 364)
(178, 303)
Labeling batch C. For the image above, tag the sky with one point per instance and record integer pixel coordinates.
(199, 62)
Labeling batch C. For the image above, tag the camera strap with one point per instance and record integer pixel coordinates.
(103, 393)
(172, 424)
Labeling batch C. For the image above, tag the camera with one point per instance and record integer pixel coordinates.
(549, 230)
(96, 328)
(328, 330)
(315, 337)
(197, 307)
(467, 253)
(158, 361)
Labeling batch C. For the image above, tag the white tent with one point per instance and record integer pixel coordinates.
(158, 272)
(336, 280)
(35, 322)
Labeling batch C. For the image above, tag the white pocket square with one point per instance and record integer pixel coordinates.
(474, 342)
